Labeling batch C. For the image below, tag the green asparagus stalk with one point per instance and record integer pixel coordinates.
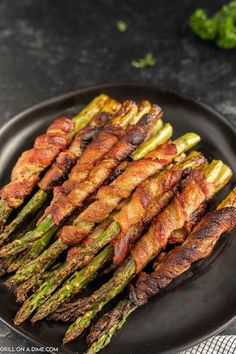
(34, 283)
(125, 308)
(106, 293)
(76, 283)
(48, 256)
(11, 263)
(91, 306)
(36, 203)
(80, 120)
(34, 251)
(151, 144)
(5, 212)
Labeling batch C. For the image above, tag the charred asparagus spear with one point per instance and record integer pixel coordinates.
(26, 173)
(180, 145)
(200, 185)
(62, 166)
(73, 192)
(202, 240)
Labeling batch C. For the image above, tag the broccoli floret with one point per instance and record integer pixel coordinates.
(220, 28)
(205, 28)
(227, 34)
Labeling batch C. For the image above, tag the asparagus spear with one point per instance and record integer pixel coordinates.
(163, 197)
(49, 255)
(34, 251)
(5, 212)
(34, 283)
(123, 310)
(80, 120)
(60, 169)
(88, 252)
(114, 320)
(89, 307)
(11, 263)
(76, 283)
(65, 204)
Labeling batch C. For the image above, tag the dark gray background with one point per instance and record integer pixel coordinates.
(50, 47)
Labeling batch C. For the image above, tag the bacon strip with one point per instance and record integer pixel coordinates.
(198, 245)
(67, 159)
(196, 191)
(26, 173)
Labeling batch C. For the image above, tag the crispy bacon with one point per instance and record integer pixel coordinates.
(67, 159)
(73, 251)
(196, 191)
(26, 173)
(134, 136)
(178, 236)
(198, 245)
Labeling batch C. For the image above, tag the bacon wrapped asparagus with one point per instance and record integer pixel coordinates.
(62, 166)
(44, 292)
(158, 158)
(78, 189)
(26, 173)
(200, 186)
(162, 196)
(59, 246)
(198, 245)
(49, 256)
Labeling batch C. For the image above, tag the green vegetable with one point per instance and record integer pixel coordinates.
(148, 60)
(121, 26)
(220, 28)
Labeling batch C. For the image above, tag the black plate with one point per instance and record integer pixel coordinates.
(184, 314)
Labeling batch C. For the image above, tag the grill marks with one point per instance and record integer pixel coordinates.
(26, 173)
(198, 245)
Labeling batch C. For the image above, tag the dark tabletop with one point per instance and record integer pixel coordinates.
(51, 47)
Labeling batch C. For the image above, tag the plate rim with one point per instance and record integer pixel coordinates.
(100, 87)
(70, 94)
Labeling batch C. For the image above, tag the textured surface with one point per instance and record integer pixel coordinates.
(48, 48)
